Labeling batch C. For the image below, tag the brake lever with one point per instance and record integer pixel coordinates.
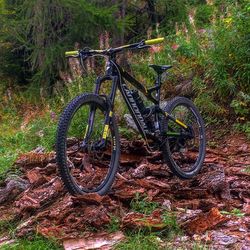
(84, 54)
(143, 47)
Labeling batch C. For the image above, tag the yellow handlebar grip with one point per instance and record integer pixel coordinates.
(72, 53)
(154, 41)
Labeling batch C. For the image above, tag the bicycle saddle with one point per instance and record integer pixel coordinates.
(159, 69)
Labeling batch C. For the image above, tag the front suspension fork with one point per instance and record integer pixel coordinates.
(108, 116)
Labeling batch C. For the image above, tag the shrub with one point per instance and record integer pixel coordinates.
(203, 15)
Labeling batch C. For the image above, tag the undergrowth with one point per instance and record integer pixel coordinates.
(141, 204)
(139, 240)
(34, 243)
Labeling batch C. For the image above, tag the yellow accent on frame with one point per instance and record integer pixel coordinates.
(124, 46)
(86, 130)
(105, 131)
(110, 114)
(180, 123)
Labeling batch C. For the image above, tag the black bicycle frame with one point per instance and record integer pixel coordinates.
(129, 99)
(118, 76)
(115, 73)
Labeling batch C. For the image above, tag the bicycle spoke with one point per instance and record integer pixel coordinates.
(185, 147)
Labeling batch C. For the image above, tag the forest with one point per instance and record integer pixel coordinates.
(207, 43)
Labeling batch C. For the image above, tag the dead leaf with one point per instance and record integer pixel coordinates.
(205, 221)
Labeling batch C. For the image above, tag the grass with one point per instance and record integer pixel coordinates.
(143, 240)
(114, 224)
(141, 204)
(235, 212)
(8, 226)
(39, 131)
(199, 246)
(35, 243)
(32, 242)
(140, 241)
(247, 169)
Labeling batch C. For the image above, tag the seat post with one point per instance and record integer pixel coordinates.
(158, 84)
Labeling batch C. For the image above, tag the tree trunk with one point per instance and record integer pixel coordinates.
(152, 13)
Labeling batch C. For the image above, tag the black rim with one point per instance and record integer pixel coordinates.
(185, 150)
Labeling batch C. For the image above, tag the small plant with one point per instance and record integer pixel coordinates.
(235, 212)
(169, 219)
(35, 243)
(241, 105)
(140, 240)
(141, 204)
(114, 224)
(247, 169)
(203, 16)
(199, 246)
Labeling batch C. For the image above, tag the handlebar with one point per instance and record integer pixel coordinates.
(72, 53)
(140, 45)
(154, 41)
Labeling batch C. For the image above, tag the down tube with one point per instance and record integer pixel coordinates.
(138, 119)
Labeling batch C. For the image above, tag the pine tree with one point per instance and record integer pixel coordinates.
(41, 30)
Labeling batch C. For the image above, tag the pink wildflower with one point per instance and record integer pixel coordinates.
(175, 46)
(202, 31)
(155, 49)
(53, 116)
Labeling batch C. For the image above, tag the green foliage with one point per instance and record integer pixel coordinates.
(244, 127)
(174, 12)
(241, 105)
(40, 32)
(141, 204)
(140, 241)
(114, 224)
(24, 133)
(217, 58)
(197, 2)
(234, 212)
(80, 85)
(228, 57)
(170, 220)
(203, 15)
(40, 132)
(204, 99)
(247, 169)
(36, 243)
(199, 246)
(8, 226)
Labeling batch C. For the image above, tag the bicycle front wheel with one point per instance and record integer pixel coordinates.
(87, 151)
(184, 149)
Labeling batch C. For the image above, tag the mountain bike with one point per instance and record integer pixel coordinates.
(88, 142)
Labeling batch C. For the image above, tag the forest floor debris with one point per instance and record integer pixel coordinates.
(212, 208)
(95, 241)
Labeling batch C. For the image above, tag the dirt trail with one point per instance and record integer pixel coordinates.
(37, 201)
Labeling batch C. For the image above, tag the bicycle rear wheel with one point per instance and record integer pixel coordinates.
(184, 149)
(87, 156)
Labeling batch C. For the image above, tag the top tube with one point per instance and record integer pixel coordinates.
(90, 52)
